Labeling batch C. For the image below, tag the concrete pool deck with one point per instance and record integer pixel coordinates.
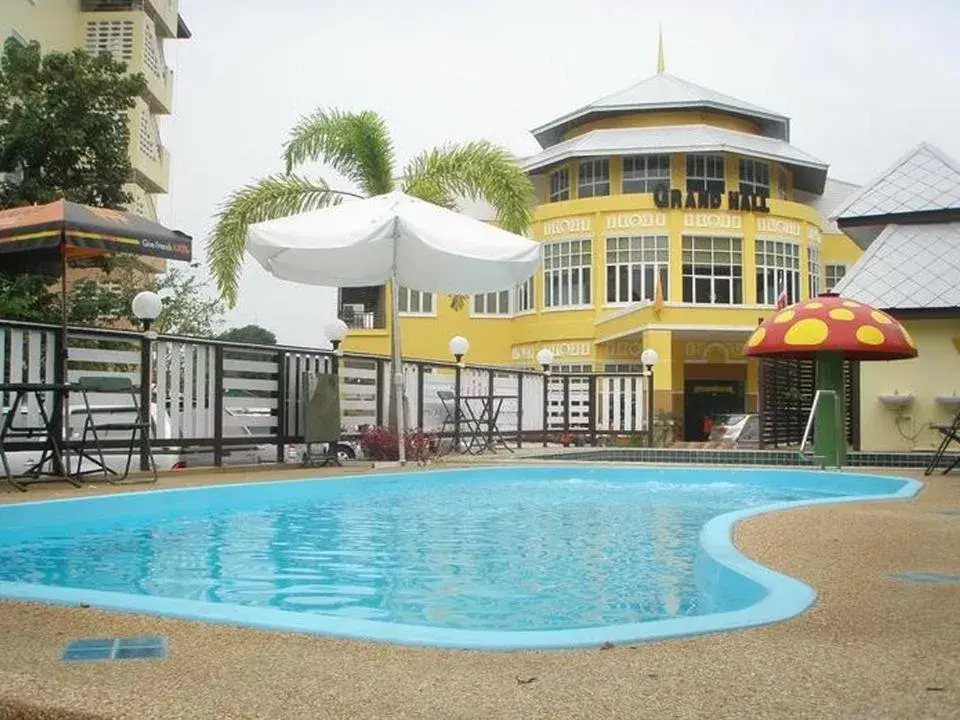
(871, 647)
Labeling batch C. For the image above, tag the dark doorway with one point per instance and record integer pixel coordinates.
(703, 398)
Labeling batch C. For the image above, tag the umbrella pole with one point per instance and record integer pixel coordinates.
(396, 366)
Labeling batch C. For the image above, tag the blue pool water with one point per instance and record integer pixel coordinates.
(534, 553)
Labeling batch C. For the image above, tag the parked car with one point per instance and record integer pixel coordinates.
(740, 429)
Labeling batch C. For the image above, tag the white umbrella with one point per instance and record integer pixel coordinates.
(398, 239)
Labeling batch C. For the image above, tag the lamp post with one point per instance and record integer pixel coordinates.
(458, 348)
(545, 358)
(146, 307)
(335, 331)
(649, 358)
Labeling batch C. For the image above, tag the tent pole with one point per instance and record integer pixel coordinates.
(396, 358)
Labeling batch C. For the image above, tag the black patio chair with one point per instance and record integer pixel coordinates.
(138, 427)
(951, 435)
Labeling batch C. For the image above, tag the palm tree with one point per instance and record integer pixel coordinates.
(358, 146)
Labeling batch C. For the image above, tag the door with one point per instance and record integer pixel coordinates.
(703, 398)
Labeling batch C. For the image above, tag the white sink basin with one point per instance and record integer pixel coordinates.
(950, 402)
(896, 400)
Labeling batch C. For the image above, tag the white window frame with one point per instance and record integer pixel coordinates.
(406, 297)
(559, 185)
(568, 274)
(783, 182)
(706, 171)
(715, 249)
(593, 177)
(644, 173)
(777, 262)
(525, 301)
(754, 177)
(630, 257)
(830, 276)
(814, 263)
(493, 304)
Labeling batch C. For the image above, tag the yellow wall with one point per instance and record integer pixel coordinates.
(55, 25)
(935, 371)
(661, 119)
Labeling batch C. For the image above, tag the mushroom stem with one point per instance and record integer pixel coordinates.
(830, 440)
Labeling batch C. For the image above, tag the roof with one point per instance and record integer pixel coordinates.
(664, 92)
(909, 267)
(830, 323)
(810, 176)
(835, 192)
(924, 180)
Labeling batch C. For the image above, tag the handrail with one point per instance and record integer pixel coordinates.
(813, 412)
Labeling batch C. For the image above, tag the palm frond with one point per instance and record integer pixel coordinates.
(271, 197)
(475, 170)
(357, 145)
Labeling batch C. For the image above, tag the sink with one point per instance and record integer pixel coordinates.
(950, 402)
(896, 400)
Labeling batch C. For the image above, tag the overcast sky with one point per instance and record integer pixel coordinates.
(862, 81)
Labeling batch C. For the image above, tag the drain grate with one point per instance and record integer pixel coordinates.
(144, 647)
(928, 578)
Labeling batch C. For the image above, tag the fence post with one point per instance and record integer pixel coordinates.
(546, 409)
(281, 406)
(218, 406)
(592, 408)
(566, 404)
(146, 376)
(519, 410)
(419, 367)
(380, 382)
(456, 410)
(490, 381)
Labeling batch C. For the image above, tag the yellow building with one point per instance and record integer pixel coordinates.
(671, 217)
(133, 31)
(908, 220)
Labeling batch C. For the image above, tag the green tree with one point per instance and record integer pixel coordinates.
(359, 147)
(253, 334)
(63, 126)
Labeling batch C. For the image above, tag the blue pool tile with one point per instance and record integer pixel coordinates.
(73, 655)
(142, 641)
(140, 653)
(928, 578)
(92, 644)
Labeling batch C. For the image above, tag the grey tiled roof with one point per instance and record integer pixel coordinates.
(924, 179)
(908, 267)
(660, 92)
(834, 193)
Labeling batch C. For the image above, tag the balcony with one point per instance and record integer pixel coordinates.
(162, 12)
(363, 308)
(131, 37)
(150, 160)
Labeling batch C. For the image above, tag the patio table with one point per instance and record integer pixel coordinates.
(486, 431)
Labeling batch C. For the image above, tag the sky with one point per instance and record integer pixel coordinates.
(863, 81)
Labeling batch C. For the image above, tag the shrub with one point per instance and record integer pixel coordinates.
(381, 444)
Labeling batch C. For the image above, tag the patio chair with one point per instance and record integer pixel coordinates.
(951, 434)
(138, 427)
(448, 401)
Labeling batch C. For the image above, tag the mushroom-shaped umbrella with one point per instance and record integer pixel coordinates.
(831, 329)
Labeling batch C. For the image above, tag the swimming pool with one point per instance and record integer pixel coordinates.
(484, 558)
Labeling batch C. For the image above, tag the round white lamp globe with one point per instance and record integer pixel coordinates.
(147, 305)
(459, 346)
(649, 357)
(336, 330)
(545, 356)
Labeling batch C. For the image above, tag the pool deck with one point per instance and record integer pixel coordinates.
(871, 646)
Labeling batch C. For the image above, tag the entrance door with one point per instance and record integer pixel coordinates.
(709, 397)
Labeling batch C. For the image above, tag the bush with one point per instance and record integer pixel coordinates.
(381, 444)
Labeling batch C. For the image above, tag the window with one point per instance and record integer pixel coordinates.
(524, 296)
(815, 268)
(835, 273)
(593, 178)
(560, 185)
(566, 273)
(495, 303)
(614, 367)
(643, 173)
(754, 177)
(706, 173)
(778, 269)
(633, 264)
(712, 270)
(783, 183)
(416, 302)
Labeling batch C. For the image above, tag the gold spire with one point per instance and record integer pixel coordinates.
(660, 63)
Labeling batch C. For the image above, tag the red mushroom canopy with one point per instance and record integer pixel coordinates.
(830, 323)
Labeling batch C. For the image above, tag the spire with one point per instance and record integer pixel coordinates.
(660, 63)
